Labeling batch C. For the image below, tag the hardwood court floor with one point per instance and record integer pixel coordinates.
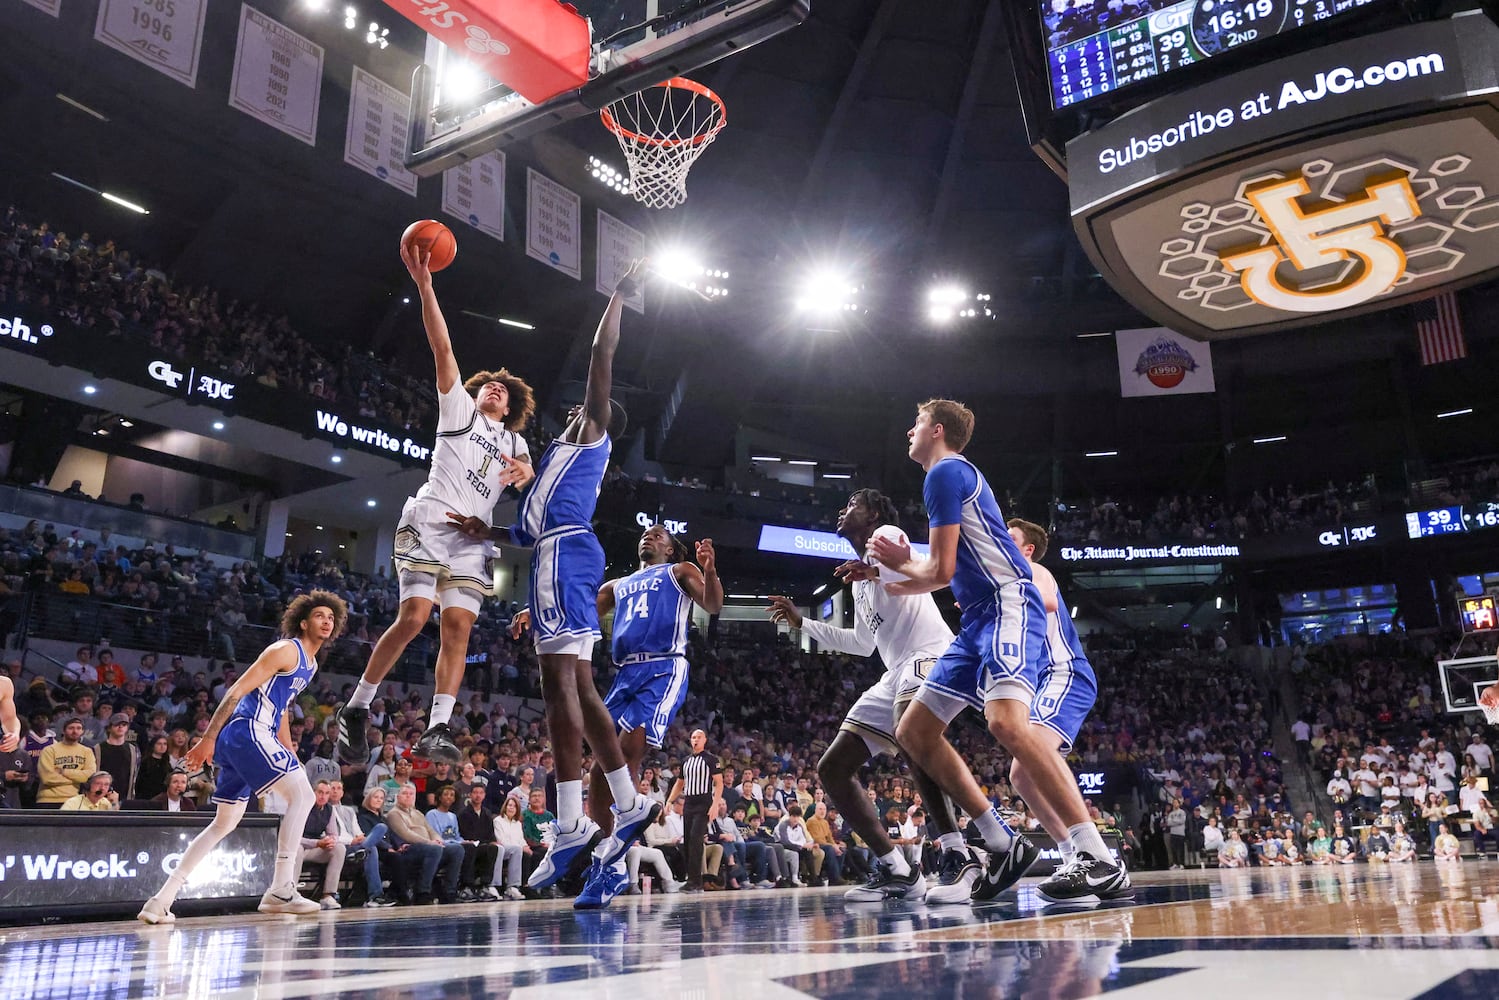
(1365, 932)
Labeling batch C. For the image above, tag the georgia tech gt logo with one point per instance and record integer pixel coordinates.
(1325, 236)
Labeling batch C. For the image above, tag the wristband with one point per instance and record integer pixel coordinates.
(627, 287)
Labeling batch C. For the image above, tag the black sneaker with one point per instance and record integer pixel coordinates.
(380, 902)
(957, 871)
(1087, 878)
(884, 884)
(1005, 869)
(353, 735)
(437, 746)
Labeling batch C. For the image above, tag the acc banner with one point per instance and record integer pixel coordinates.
(474, 191)
(619, 244)
(554, 224)
(278, 75)
(166, 35)
(376, 138)
(1161, 362)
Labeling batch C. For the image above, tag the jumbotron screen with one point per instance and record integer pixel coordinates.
(1098, 46)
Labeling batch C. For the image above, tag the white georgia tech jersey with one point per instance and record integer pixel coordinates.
(470, 451)
(902, 629)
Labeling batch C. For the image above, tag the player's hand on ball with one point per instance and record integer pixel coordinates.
(520, 623)
(473, 527)
(416, 260)
(783, 612)
(855, 570)
(1490, 696)
(889, 552)
(706, 557)
(199, 755)
(517, 472)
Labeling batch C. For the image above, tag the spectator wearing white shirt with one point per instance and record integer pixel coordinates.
(1176, 834)
(1410, 783)
(1389, 792)
(1402, 847)
(1443, 769)
(1446, 848)
(80, 669)
(1212, 838)
(1482, 753)
(1234, 853)
(1339, 789)
(1484, 818)
(1469, 795)
(1366, 784)
(1301, 732)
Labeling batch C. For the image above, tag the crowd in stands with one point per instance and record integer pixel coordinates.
(1267, 511)
(96, 285)
(1468, 482)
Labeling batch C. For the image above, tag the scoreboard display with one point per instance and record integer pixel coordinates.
(1098, 46)
(1479, 614)
(1452, 520)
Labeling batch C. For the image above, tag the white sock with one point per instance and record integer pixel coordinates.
(286, 870)
(1067, 849)
(896, 862)
(951, 841)
(364, 693)
(994, 830)
(569, 802)
(442, 709)
(1087, 838)
(621, 787)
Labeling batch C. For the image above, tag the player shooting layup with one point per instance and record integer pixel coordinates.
(479, 452)
(910, 635)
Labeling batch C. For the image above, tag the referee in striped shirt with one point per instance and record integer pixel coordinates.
(701, 788)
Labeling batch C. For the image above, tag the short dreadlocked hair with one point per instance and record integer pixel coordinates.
(522, 398)
(301, 608)
(883, 507)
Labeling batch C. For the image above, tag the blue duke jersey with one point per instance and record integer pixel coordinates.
(265, 705)
(651, 611)
(955, 492)
(565, 491)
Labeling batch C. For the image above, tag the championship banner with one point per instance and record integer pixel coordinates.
(278, 75)
(553, 224)
(619, 245)
(375, 141)
(1159, 362)
(168, 37)
(474, 191)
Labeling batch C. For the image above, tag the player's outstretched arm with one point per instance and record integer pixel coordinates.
(278, 657)
(416, 260)
(702, 585)
(923, 575)
(10, 725)
(601, 361)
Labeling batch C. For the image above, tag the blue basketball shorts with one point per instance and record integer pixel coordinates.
(1064, 698)
(567, 569)
(250, 760)
(997, 654)
(648, 694)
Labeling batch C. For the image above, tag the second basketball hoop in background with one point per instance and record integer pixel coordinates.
(662, 130)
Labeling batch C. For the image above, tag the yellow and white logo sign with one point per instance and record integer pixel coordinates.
(1331, 235)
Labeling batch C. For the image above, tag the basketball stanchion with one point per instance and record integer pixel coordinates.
(662, 130)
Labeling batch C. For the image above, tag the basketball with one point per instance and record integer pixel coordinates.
(432, 235)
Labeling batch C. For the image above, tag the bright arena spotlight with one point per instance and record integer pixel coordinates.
(684, 268)
(826, 291)
(945, 301)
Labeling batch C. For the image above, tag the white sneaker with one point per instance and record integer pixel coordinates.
(286, 899)
(628, 825)
(565, 845)
(493, 893)
(513, 893)
(765, 884)
(670, 885)
(330, 902)
(156, 912)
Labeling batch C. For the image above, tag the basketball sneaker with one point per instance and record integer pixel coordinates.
(628, 825)
(1086, 878)
(957, 871)
(604, 883)
(437, 745)
(566, 845)
(286, 899)
(884, 884)
(156, 912)
(1005, 869)
(353, 735)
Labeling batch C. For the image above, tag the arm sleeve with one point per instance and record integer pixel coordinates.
(455, 409)
(855, 640)
(947, 485)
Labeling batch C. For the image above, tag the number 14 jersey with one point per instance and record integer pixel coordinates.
(651, 612)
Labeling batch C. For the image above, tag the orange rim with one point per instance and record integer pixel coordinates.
(677, 83)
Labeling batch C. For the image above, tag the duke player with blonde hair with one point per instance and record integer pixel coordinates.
(250, 737)
(479, 453)
(1063, 700)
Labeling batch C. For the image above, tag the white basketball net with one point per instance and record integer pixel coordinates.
(1490, 712)
(662, 130)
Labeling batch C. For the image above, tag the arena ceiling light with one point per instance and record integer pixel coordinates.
(1270, 440)
(79, 105)
(826, 291)
(1455, 413)
(218, 425)
(371, 502)
(89, 390)
(836, 475)
(608, 175)
(337, 459)
(946, 302)
(819, 590)
(1090, 336)
(1100, 454)
(124, 203)
(765, 458)
(518, 324)
(800, 461)
(684, 268)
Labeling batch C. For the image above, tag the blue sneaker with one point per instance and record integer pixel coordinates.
(628, 825)
(564, 848)
(604, 883)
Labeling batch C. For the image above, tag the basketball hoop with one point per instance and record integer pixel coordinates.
(662, 130)
(1490, 712)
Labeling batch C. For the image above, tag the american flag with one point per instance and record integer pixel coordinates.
(1441, 334)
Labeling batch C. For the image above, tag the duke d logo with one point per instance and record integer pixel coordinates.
(1325, 236)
